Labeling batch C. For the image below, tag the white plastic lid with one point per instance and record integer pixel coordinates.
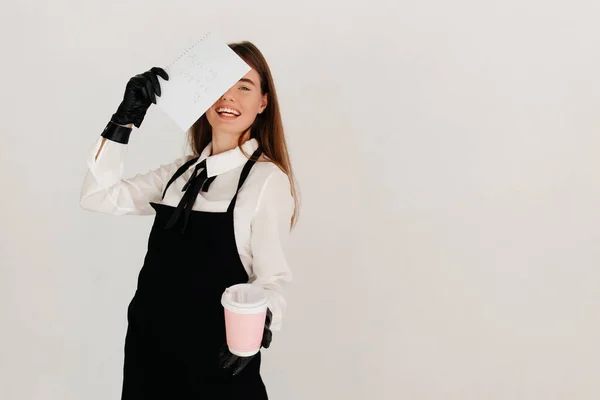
(245, 298)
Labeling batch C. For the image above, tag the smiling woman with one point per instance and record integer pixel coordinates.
(202, 241)
(254, 97)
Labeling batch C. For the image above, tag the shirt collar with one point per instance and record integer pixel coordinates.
(228, 160)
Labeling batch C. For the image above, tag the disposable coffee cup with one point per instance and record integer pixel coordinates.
(245, 313)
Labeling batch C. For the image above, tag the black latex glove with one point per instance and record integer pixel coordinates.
(237, 363)
(140, 92)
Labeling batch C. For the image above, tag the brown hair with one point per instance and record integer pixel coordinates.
(267, 127)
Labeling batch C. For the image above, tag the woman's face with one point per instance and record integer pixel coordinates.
(236, 110)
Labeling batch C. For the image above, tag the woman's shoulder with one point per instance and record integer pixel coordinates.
(178, 161)
(271, 185)
(267, 168)
(265, 171)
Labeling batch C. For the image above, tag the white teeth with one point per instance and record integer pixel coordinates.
(228, 111)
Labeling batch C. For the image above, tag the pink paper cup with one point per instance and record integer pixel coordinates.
(245, 312)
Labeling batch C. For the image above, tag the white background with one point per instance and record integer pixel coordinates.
(447, 155)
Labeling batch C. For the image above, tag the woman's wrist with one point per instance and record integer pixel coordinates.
(117, 133)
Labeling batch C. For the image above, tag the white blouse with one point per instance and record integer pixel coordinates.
(261, 216)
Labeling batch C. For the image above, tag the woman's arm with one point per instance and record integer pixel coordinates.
(270, 232)
(104, 189)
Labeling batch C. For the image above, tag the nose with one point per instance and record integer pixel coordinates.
(228, 95)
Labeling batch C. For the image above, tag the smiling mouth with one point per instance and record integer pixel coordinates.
(228, 112)
(227, 116)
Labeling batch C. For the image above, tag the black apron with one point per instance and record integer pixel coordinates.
(176, 321)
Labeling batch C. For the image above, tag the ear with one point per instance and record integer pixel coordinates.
(264, 102)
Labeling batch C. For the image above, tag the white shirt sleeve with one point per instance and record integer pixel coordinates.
(270, 229)
(104, 189)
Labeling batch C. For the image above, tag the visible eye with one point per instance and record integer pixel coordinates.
(245, 87)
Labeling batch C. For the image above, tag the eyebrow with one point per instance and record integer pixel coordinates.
(247, 80)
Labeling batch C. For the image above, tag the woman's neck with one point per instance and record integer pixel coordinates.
(222, 142)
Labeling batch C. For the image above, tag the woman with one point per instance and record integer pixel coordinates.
(222, 216)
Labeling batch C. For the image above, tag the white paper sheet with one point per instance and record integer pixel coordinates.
(197, 79)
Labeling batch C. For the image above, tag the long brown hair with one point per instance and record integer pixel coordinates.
(267, 127)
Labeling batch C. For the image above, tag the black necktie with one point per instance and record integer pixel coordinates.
(197, 182)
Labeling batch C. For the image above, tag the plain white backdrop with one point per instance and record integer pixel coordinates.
(447, 156)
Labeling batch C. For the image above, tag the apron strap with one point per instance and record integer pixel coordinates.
(253, 158)
(179, 172)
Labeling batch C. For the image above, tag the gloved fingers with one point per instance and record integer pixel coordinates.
(230, 361)
(150, 86)
(269, 318)
(160, 72)
(225, 358)
(241, 364)
(267, 337)
(155, 82)
(224, 350)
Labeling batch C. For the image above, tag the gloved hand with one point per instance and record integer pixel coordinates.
(229, 360)
(140, 92)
